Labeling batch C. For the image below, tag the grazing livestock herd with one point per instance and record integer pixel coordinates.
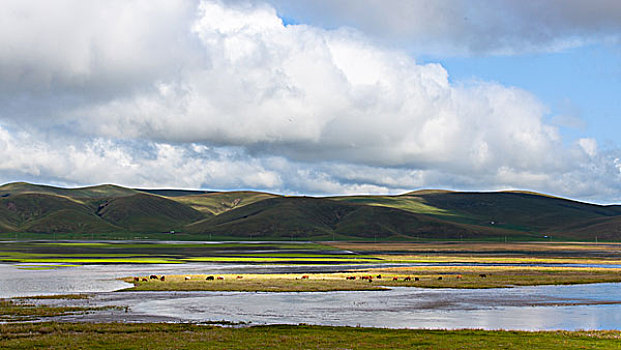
(368, 278)
(404, 279)
(394, 278)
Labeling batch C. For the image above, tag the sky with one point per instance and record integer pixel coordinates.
(314, 97)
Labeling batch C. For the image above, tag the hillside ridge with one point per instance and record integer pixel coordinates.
(421, 214)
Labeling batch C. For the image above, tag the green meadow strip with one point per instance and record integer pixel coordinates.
(71, 244)
(68, 255)
(45, 267)
(293, 255)
(98, 261)
(277, 259)
(283, 337)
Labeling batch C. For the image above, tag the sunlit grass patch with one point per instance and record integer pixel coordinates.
(425, 258)
(251, 283)
(502, 276)
(550, 249)
(379, 278)
(43, 267)
(284, 259)
(303, 255)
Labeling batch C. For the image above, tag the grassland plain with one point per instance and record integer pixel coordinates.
(326, 252)
(381, 278)
(176, 253)
(576, 251)
(189, 336)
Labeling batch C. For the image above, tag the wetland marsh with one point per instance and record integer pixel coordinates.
(516, 289)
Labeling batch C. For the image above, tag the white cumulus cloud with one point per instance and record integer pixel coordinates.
(225, 95)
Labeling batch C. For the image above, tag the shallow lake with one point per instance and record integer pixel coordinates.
(22, 280)
(594, 306)
(526, 308)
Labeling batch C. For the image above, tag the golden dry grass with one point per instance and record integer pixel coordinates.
(483, 247)
(255, 282)
(428, 277)
(457, 258)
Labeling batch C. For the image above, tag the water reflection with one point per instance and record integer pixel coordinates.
(15, 281)
(526, 308)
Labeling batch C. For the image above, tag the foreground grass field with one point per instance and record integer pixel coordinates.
(186, 336)
(426, 277)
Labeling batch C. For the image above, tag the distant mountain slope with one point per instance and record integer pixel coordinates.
(525, 212)
(6, 227)
(288, 217)
(315, 217)
(34, 212)
(413, 204)
(608, 228)
(147, 213)
(20, 209)
(519, 211)
(376, 222)
(425, 214)
(173, 192)
(100, 191)
(218, 202)
(70, 221)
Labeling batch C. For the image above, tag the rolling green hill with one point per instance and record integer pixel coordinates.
(41, 212)
(70, 221)
(310, 218)
(218, 202)
(426, 214)
(100, 191)
(520, 211)
(514, 212)
(291, 216)
(18, 210)
(147, 213)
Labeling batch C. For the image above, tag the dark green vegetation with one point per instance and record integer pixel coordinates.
(13, 311)
(107, 211)
(187, 336)
(160, 253)
(458, 251)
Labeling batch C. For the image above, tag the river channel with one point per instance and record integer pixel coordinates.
(593, 306)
